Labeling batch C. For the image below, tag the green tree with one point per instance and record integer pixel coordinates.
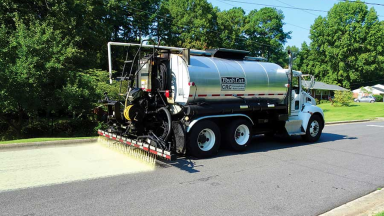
(36, 62)
(231, 26)
(302, 59)
(265, 34)
(366, 90)
(347, 45)
(193, 24)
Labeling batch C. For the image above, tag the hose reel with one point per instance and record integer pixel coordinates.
(133, 113)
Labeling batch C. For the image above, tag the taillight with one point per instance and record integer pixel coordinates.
(191, 84)
(167, 93)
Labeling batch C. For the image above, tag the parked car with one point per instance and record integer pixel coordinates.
(369, 99)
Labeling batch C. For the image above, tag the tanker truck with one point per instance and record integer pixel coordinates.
(182, 101)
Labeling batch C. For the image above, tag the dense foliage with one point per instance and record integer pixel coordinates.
(53, 53)
(347, 47)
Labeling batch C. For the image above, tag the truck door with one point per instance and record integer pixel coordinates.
(296, 90)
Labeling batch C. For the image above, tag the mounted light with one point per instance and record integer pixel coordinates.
(191, 83)
(287, 85)
(167, 93)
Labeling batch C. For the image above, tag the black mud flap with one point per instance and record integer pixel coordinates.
(179, 136)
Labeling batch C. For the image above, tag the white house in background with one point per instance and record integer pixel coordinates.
(376, 90)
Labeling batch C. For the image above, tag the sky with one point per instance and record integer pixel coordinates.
(297, 21)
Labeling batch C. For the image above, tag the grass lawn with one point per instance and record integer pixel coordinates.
(380, 214)
(42, 139)
(356, 111)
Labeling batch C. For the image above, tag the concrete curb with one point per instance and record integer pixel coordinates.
(46, 143)
(346, 122)
(370, 204)
(355, 121)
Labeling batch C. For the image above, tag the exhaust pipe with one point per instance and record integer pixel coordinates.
(290, 78)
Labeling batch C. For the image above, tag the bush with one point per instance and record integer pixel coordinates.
(57, 128)
(39, 128)
(379, 98)
(343, 98)
(74, 127)
(324, 101)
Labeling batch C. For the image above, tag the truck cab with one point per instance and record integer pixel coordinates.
(305, 118)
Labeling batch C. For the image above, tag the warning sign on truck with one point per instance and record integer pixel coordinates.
(232, 84)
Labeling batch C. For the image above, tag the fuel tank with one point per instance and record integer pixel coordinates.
(219, 80)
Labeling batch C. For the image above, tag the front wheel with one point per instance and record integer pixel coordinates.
(238, 135)
(372, 101)
(204, 139)
(314, 129)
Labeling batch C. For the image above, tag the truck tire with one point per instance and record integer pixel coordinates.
(204, 139)
(314, 129)
(239, 134)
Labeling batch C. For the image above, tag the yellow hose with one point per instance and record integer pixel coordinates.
(126, 112)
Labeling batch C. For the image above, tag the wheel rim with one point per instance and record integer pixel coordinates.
(206, 139)
(242, 134)
(314, 128)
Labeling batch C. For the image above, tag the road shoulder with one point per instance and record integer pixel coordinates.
(46, 143)
(370, 204)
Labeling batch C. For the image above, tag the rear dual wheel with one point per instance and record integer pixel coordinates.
(238, 135)
(204, 139)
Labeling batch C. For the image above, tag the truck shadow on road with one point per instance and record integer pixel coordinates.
(260, 143)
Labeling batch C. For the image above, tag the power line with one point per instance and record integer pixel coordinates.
(277, 6)
(298, 26)
(368, 3)
(249, 11)
(294, 6)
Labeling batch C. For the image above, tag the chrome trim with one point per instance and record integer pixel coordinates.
(216, 116)
(266, 72)
(245, 75)
(218, 71)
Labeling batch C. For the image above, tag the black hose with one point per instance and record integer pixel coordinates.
(169, 121)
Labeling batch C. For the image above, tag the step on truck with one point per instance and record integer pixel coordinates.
(183, 101)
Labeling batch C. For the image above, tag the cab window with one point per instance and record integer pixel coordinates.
(295, 84)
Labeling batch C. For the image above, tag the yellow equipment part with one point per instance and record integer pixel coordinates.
(126, 112)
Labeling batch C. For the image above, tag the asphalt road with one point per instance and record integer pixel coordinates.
(274, 177)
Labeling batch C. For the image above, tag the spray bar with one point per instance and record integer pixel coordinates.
(138, 144)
